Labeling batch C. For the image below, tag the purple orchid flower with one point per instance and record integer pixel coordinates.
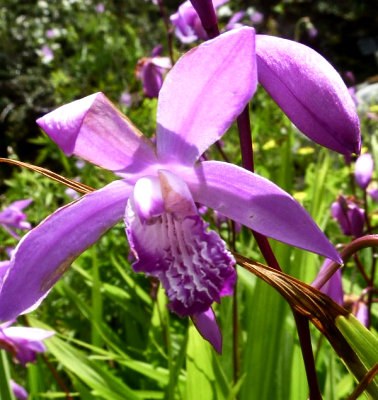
(23, 342)
(349, 215)
(18, 391)
(159, 188)
(150, 71)
(310, 92)
(187, 22)
(334, 286)
(363, 170)
(12, 217)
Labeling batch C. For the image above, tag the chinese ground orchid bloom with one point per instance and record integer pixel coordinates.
(18, 391)
(350, 217)
(160, 186)
(363, 170)
(150, 71)
(13, 217)
(187, 22)
(310, 92)
(23, 342)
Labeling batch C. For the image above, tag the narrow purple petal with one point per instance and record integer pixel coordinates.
(207, 326)
(47, 251)
(363, 170)
(152, 79)
(334, 286)
(257, 203)
(18, 391)
(94, 129)
(193, 265)
(206, 11)
(310, 92)
(203, 94)
(4, 266)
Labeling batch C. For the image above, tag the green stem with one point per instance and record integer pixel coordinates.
(5, 389)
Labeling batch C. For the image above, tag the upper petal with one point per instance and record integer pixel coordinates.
(203, 94)
(310, 92)
(94, 129)
(257, 203)
(45, 253)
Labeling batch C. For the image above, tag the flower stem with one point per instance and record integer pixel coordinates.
(246, 146)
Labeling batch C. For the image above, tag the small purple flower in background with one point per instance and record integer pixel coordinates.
(234, 21)
(150, 71)
(47, 54)
(125, 99)
(12, 217)
(51, 33)
(310, 92)
(256, 17)
(18, 391)
(188, 26)
(363, 170)
(100, 8)
(23, 342)
(349, 215)
(160, 186)
(373, 192)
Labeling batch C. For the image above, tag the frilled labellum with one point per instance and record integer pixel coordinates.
(170, 242)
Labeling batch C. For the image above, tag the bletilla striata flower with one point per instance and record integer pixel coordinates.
(349, 215)
(12, 217)
(22, 342)
(18, 391)
(159, 186)
(150, 71)
(188, 26)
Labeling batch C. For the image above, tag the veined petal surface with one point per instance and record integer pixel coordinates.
(203, 94)
(193, 265)
(257, 203)
(94, 129)
(310, 92)
(47, 251)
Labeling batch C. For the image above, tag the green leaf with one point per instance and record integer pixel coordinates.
(5, 389)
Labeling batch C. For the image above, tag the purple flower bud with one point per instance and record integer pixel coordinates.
(374, 194)
(363, 170)
(150, 71)
(350, 217)
(18, 391)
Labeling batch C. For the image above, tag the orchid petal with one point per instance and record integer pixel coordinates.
(207, 326)
(257, 203)
(191, 108)
(46, 252)
(94, 129)
(18, 391)
(309, 91)
(334, 286)
(363, 170)
(193, 265)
